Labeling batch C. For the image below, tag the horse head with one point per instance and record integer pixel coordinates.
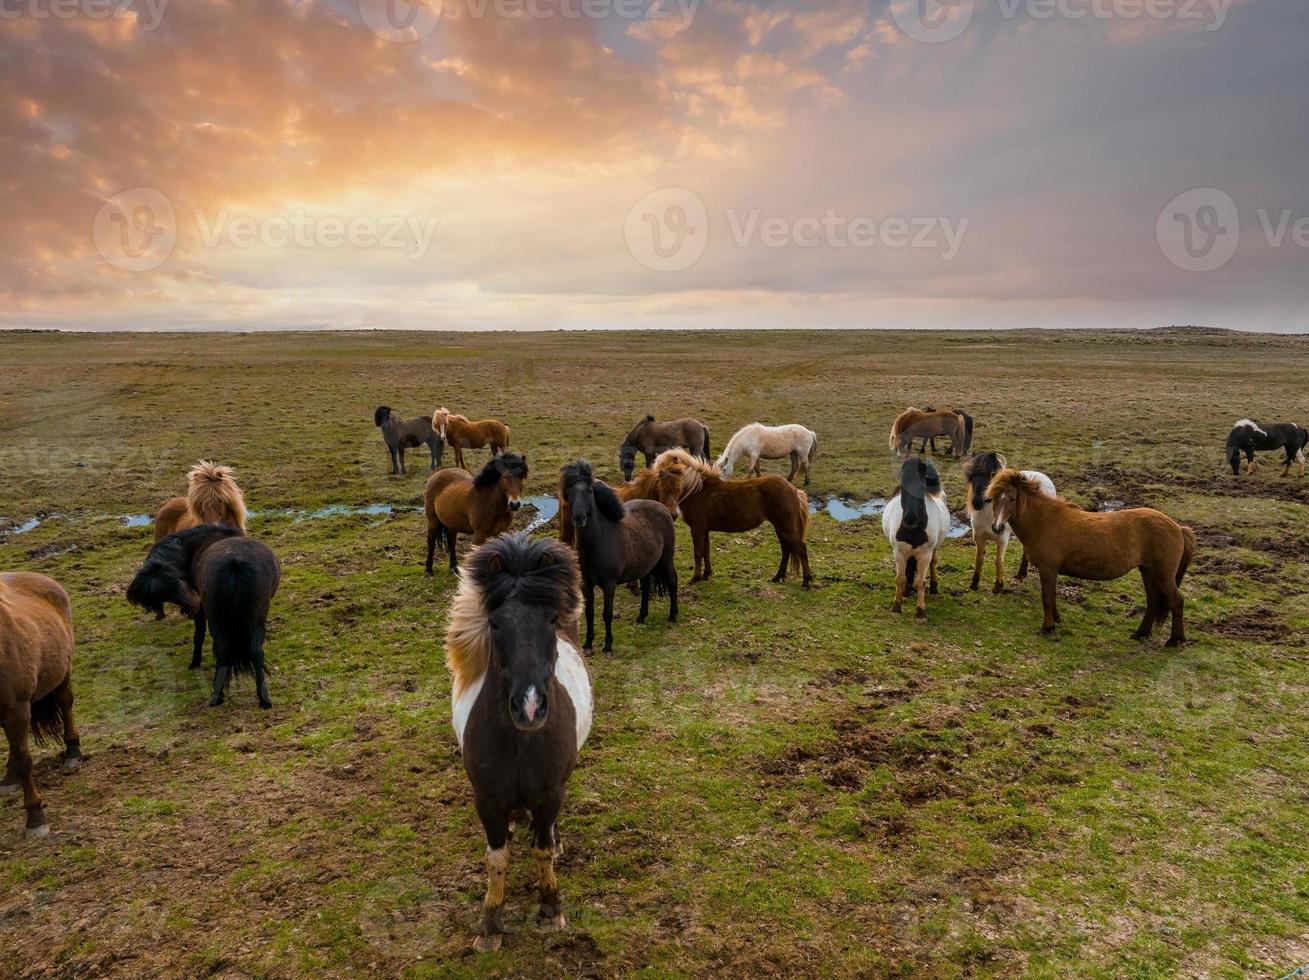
(381, 414)
(913, 491)
(508, 470)
(439, 419)
(627, 460)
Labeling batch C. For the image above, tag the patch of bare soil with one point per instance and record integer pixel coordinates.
(1263, 625)
(1285, 546)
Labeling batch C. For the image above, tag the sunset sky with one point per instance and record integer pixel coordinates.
(613, 163)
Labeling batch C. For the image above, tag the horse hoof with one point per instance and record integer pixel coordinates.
(997, 589)
(895, 608)
(933, 591)
(72, 765)
(920, 615)
(973, 587)
(8, 790)
(488, 944)
(215, 702)
(265, 705)
(555, 924)
(1047, 631)
(35, 833)
(1175, 641)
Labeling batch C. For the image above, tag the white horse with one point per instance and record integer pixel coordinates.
(759, 441)
(979, 470)
(915, 522)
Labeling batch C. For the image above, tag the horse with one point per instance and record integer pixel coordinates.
(915, 521)
(456, 502)
(224, 581)
(650, 438)
(520, 704)
(462, 434)
(759, 441)
(401, 434)
(36, 683)
(212, 497)
(709, 502)
(914, 423)
(666, 488)
(1248, 435)
(618, 542)
(968, 432)
(979, 470)
(1062, 539)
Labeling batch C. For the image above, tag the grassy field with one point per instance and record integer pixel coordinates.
(784, 782)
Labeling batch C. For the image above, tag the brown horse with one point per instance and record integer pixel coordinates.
(456, 502)
(665, 487)
(708, 502)
(36, 682)
(1061, 538)
(914, 423)
(462, 434)
(212, 497)
(650, 438)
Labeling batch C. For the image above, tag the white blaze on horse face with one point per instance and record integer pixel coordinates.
(531, 703)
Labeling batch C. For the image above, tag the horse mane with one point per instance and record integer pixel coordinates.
(695, 471)
(931, 478)
(1026, 487)
(983, 463)
(607, 502)
(167, 567)
(512, 566)
(213, 497)
(506, 464)
(381, 413)
(909, 415)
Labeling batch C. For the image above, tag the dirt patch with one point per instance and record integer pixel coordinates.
(1284, 546)
(1263, 624)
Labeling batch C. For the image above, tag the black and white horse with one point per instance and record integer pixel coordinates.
(521, 704)
(1248, 435)
(979, 470)
(915, 522)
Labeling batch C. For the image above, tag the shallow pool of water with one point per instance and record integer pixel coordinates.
(547, 508)
(137, 520)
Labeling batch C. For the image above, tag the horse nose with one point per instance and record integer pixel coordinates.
(515, 504)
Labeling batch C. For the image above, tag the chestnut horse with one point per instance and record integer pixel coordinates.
(212, 497)
(36, 677)
(979, 471)
(709, 502)
(650, 438)
(462, 434)
(456, 502)
(1062, 539)
(521, 706)
(914, 423)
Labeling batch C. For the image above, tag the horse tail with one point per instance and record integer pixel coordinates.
(706, 452)
(1188, 551)
(661, 583)
(48, 721)
(235, 594)
(796, 567)
(911, 571)
(813, 447)
(968, 433)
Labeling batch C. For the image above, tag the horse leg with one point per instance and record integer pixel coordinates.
(608, 589)
(708, 566)
(786, 558)
(1254, 463)
(980, 549)
(18, 726)
(669, 569)
(459, 458)
(920, 586)
(754, 465)
(932, 570)
(451, 542)
(72, 739)
(1022, 568)
(1172, 597)
(550, 916)
(795, 466)
(900, 581)
(1000, 547)
(395, 464)
(645, 598)
(1048, 600)
(403, 471)
(261, 685)
(700, 545)
(433, 532)
(801, 547)
(198, 639)
(495, 823)
(221, 672)
(1153, 602)
(588, 598)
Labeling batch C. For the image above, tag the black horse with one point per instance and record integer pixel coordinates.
(618, 543)
(521, 701)
(1248, 435)
(968, 432)
(223, 580)
(401, 434)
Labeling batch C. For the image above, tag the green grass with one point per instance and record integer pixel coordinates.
(783, 782)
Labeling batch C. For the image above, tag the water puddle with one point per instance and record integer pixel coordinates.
(845, 510)
(1109, 506)
(137, 520)
(547, 508)
(31, 524)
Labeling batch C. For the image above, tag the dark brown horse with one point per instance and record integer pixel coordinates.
(914, 423)
(711, 503)
(521, 705)
(401, 434)
(462, 434)
(665, 488)
(650, 438)
(618, 542)
(1062, 539)
(36, 682)
(457, 503)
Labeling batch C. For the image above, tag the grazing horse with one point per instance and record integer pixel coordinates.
(223, 580)
(212, 497)
(666, 488)
(462, 434)
(456, 502)
(1248, 435)
(915, 522)
(758, 441)
(1062, 539)
(36, 682)
(708, 502)
(618, 542)
(968, 432)
(979, 470)
(401, 434)
(914, 423)
(650, 438)
(520, 704)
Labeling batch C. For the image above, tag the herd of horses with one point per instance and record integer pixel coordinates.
(521, 695)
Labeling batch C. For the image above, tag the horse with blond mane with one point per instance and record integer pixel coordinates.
(460, 434)
(914, 423)
(212, 497)
(758, 441)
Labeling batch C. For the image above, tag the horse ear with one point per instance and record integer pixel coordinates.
(649, 418)
(493, 564)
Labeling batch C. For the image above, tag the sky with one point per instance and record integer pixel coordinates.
(590, 164)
